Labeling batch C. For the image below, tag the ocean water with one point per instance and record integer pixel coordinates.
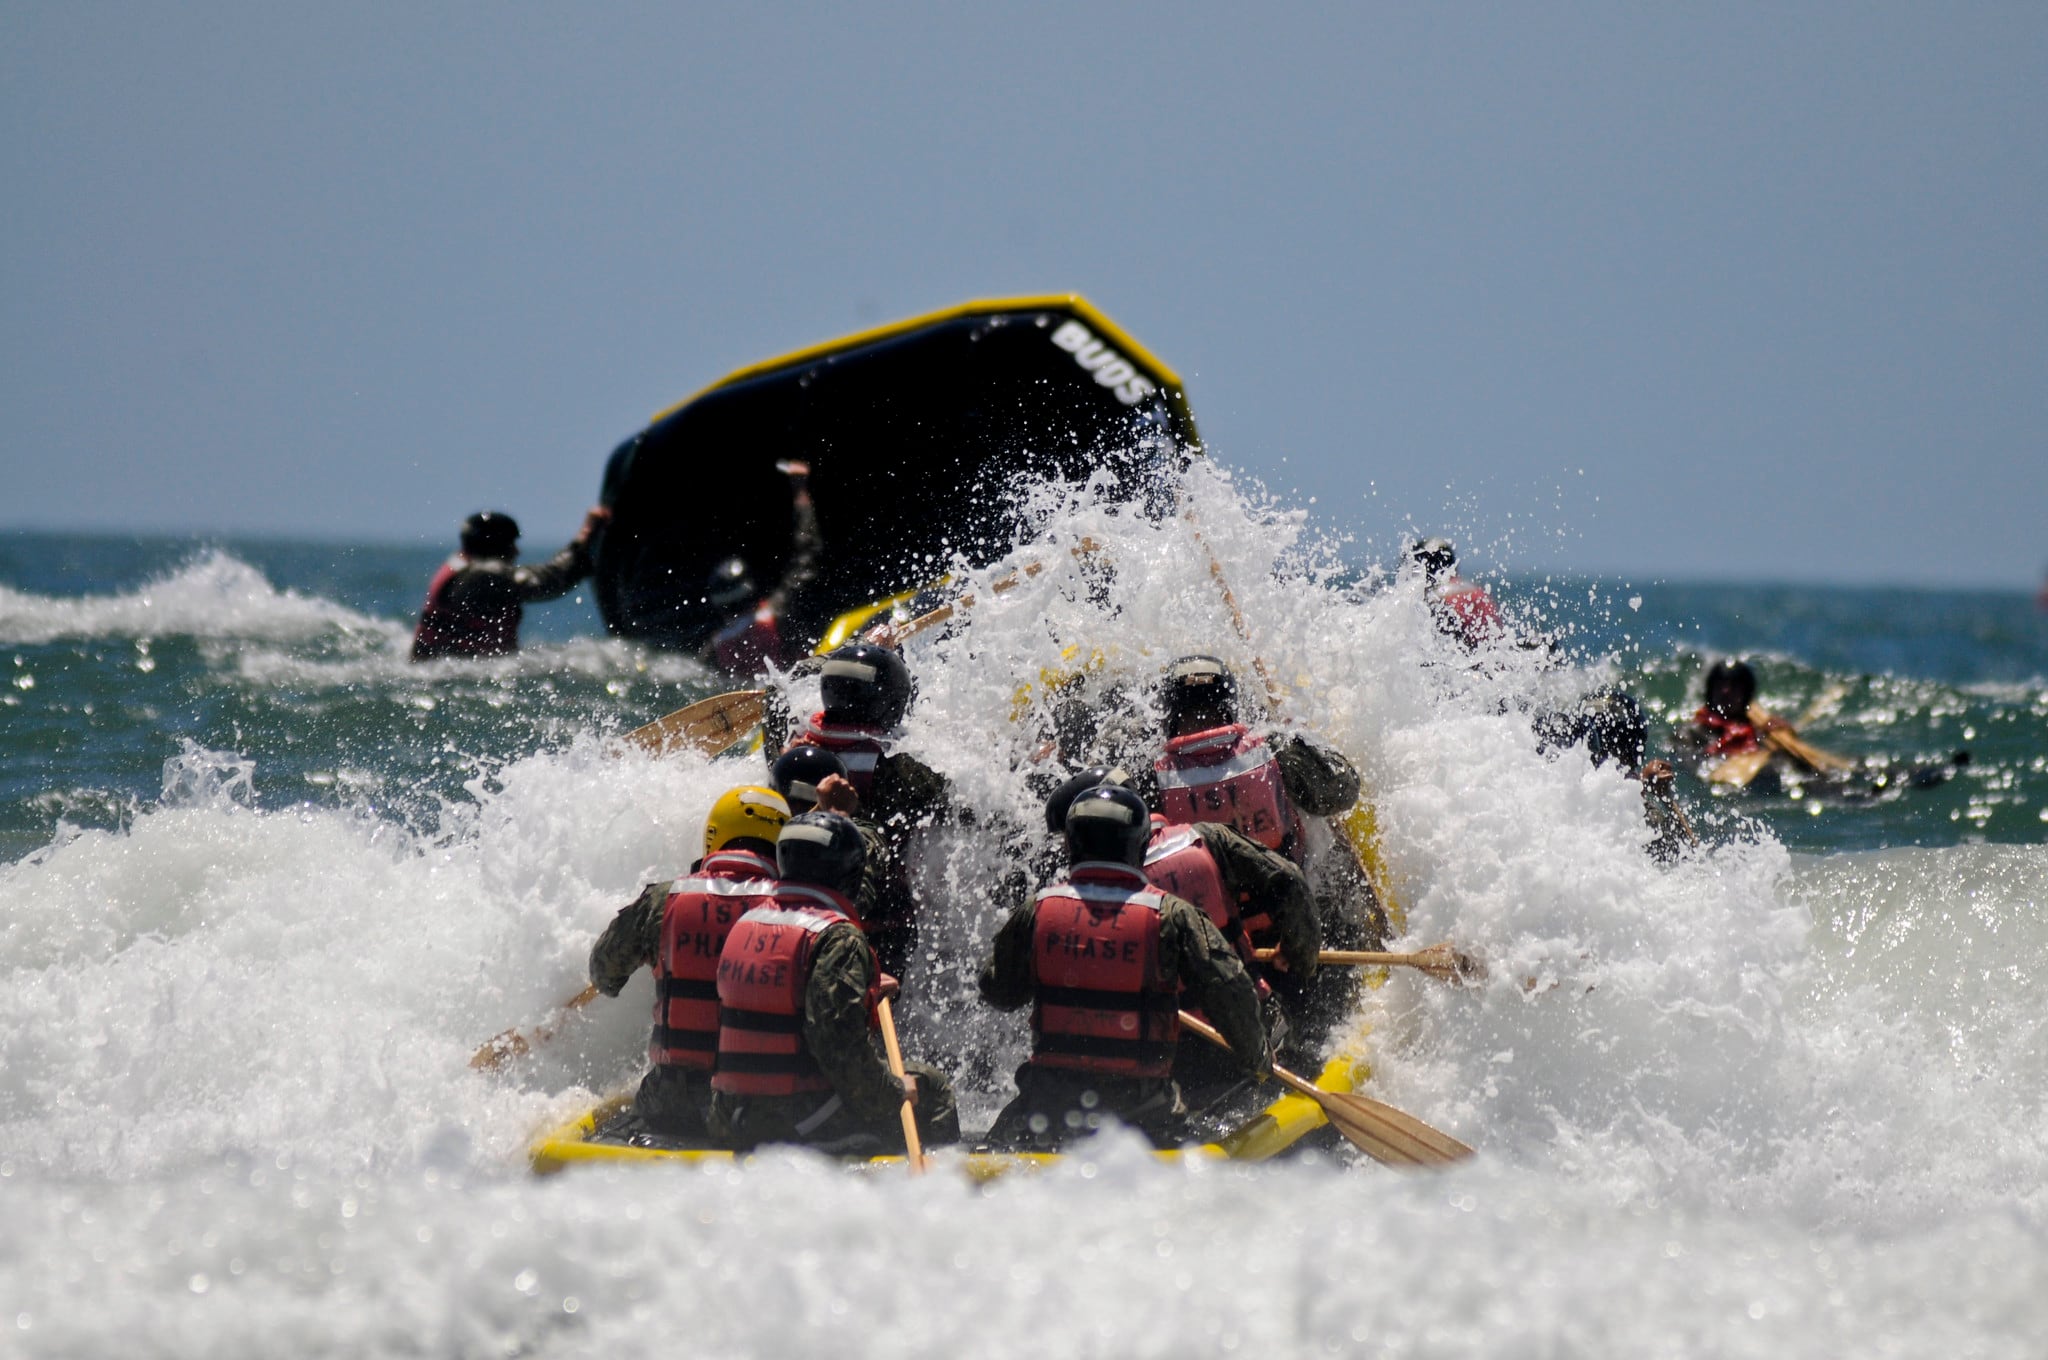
(264, 886)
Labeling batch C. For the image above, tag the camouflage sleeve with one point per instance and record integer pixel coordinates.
(836, 1025)
(1319, 780)
(907, 793)
(1005, 981)
(555, 577)
(875, 868)
(804, 549)
(1268, 882)
(1196, 952)
(630, 942)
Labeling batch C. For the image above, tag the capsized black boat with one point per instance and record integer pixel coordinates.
(916, 434)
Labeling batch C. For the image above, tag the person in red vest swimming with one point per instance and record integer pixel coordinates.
(1104, 958)
(799, 1055)
(1216, 769)
(477, 598)
(1462, 609)
(1723, 726)
(678, 929)
(755, 635)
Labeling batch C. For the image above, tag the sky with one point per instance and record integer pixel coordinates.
(1668, 292)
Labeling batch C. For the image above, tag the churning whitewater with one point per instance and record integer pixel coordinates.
(1753, 1103)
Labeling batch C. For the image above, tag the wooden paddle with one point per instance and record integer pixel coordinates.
(500, 1049)
(1780, 735)
(1440, 961)
(1740, 769)
(896, 634)
(1389, 1136)
(887, 1015)
(708, 726)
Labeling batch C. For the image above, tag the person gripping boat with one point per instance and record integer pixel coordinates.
(1103, 958)
(756, 634)
(678, 929)
(798, 983)
(1613, 728)
(479, 596)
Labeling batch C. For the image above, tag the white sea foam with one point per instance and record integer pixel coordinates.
(1752, 1104)
(215, 595)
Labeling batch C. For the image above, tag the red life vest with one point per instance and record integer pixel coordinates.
(1226, 774)
(447, 632)
(1470, 611)
(1732, 736)
(762, 974)
(696, 918)
(1101, 1002)
(1180, 862)
(859, 746)
(750, 643)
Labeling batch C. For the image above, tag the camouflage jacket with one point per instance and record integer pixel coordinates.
(1266, 882)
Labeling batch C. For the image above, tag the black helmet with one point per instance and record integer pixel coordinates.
(489, 533)
(865, 684)
(1615, 729)
(823, 849)
(1201, 688)
(1731, 688)
(1434, 555)
(731, 584)
(797, 772)
(1107, 822)
(1060, 799)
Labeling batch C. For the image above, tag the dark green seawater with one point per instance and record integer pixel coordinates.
(119, 652)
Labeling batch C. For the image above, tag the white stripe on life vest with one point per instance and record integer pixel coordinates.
(1172, 845)
(1104, 894)
(1199, 776)
(803, 920)
(728, 887)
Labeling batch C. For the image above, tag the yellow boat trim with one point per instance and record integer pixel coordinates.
(1169, 382)
(1267, 1134)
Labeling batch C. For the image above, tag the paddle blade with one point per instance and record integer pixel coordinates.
(1446, 964)
(1389, 1136)
(708, 726)
(500, 1049)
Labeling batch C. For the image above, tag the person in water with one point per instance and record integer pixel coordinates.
(1462, 609)
(1613, 728)
(799, 1054)
(678, 929)
(1724, 725)
(477, 598)
(1103, 959)
(756, 634)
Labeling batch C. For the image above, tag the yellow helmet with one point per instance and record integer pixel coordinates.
(748, 813)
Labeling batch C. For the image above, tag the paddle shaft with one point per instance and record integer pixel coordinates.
(898, 634)
(500, 1048)
(887, 1015)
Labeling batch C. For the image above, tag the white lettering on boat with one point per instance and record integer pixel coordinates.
(1100, 359)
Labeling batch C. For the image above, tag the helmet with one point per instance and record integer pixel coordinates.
(489, 533)
(1616, 729)
(798, 771)
(1062, 798)
(731, 584)
(751, 813)
(866, 684)
(1199, 688)
(1731, 688)
(823, 849)
(1108, 822)
(1434, 555)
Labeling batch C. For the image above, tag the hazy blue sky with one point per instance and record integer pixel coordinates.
(1775, 278)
